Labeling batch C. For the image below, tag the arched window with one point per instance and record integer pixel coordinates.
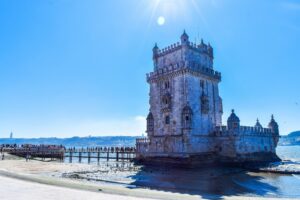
(204, 104)
(150, 122)
(187, 114)
(166, 101)
(167, 85)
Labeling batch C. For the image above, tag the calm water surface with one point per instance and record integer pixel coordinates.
(289, 152)
(220, 181)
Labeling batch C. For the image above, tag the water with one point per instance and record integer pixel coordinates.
(289, 153)
(206, 182)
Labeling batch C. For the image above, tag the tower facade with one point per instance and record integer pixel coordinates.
(185, 114)
(184, 97)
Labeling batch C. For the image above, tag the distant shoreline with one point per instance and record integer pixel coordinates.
(107, 141)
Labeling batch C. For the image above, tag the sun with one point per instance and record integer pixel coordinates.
(161, 20)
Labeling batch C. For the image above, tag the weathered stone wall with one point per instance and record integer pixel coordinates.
(254, 143)
(203, 123)
(231, 146)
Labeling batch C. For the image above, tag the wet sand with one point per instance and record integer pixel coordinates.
(134, 182)
(35, 180)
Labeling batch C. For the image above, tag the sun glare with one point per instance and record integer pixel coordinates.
(161, 20)
(168, 9)
(161, 12)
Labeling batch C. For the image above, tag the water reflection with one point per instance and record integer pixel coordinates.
(207, 182)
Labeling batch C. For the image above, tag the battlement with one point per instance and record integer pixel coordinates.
(244, 130)
(143, 140)
(182, 67)
(200, 48)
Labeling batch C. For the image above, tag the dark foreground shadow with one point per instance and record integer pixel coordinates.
(210, 182)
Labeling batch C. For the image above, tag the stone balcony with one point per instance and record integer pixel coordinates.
(180, 68)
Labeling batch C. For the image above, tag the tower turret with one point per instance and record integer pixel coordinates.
(258, 125)
(233, 122)
(210, 51)
(155, 51)
(274, 126)
(184, 38)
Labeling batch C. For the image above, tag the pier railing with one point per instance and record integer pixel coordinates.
(98, 153)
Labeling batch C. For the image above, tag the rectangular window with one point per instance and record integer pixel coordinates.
(167, 120)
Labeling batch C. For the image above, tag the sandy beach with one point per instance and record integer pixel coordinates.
(18, 189)
(35, 179)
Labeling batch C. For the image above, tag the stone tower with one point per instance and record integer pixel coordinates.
(185, 106)
(185, 115)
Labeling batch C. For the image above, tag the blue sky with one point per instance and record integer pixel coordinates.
(78, 67)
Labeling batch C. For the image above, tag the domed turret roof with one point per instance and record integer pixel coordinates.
(184, 34)
(184, 37)
(258, 125)
(273, 123)
(233, 117)
(155, 47)
(150, 116)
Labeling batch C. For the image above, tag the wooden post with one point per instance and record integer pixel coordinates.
(89, 157)
(98, 156)
(80, 154)
(117, 155)
(70, 156)
(107, 157)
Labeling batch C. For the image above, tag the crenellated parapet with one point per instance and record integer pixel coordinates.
(200, 48)
(182, 67)
(193, 55)
(142, 145)
(233, 128)
(143, 140)
(255, 130)
(167, 50)
(244, 130)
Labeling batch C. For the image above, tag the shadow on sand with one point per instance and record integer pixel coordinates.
(211, 182)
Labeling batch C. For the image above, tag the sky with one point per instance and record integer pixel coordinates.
(77, 68)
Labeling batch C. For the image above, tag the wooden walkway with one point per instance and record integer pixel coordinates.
(40, 152)
(98, 153)
(75, 154)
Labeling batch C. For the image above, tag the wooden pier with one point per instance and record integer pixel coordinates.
(88, 155)
(101, 153)
(42, 152)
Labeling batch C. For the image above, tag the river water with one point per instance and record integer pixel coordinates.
(206, 182)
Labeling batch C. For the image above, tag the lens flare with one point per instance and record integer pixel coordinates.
(161, 20)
